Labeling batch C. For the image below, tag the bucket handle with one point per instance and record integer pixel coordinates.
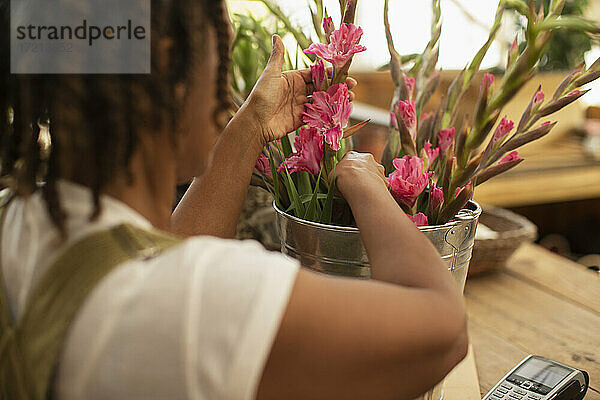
(459, 234)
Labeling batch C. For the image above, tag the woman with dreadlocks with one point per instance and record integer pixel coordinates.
(106, 294)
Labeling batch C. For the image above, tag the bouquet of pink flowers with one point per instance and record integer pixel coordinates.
(298, 176)
(434, 160)
(437, 159)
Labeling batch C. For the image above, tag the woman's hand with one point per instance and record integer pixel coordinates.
(276, 103)
(359, 173)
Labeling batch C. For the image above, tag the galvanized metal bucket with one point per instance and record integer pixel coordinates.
(339, 250)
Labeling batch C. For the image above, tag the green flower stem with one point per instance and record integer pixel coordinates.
(300, 37)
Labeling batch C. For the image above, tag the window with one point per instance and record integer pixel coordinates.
(466, 25)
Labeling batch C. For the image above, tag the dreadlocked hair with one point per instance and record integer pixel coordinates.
(87, 127)
(223, 31)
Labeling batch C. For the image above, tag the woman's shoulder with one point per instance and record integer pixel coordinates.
(201, 249)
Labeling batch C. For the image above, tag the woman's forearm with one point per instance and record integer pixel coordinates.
(213, 203)
(398, 252)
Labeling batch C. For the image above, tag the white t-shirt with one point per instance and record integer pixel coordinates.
(197, 322)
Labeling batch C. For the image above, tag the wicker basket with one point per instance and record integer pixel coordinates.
(512, 229)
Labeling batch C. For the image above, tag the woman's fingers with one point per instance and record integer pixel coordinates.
(351, 83)
(301, 99)
(305, 74)
(310, 88)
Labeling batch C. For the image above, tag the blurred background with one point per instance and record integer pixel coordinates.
(557, 187)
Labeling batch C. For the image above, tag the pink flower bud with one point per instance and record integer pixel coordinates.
(538, 98)
(513, 156)
(487, 81)
(513, 53)
(408, 114)
(457, 192)
(328, 26)
(445, 139)
(574, 93)
(410, 85)
(503, 129)
(317, 72)
(393, 121)
(436, 198)
(431, 152)
(419, 219)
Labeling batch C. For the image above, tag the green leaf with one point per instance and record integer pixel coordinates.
(279, 147)
(311, 210)
(276, 193)
(305, 198)
(519, 5)
(341, 152)
(478, 59)
(569, 22)
(304, 185)
(327, 212)
(348, 132)
(293, 192)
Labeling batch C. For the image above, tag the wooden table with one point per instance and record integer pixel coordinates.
(542, 304)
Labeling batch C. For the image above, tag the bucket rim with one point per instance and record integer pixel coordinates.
(470, 212)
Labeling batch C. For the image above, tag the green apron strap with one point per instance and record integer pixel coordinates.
(12, 385)
(41, 331)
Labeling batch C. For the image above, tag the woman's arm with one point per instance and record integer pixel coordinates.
(213, 203)
(392, 337)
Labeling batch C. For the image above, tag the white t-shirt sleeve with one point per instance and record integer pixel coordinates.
(235, 308)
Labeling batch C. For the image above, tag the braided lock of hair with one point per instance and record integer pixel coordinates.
(104, 132)
(223, 32)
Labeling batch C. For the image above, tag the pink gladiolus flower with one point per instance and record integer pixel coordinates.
(410, 85)
(328, 26)
(408, 113)
(510, 157)
(503, 129)
(487, 81)
(409, 179)
(329, 113)
(445, 139)
(419, 219)
(431, 152)
(538, 98)
(263, 165)
(308, 155)
(317, 72)
(344, 44)
(436, 197)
